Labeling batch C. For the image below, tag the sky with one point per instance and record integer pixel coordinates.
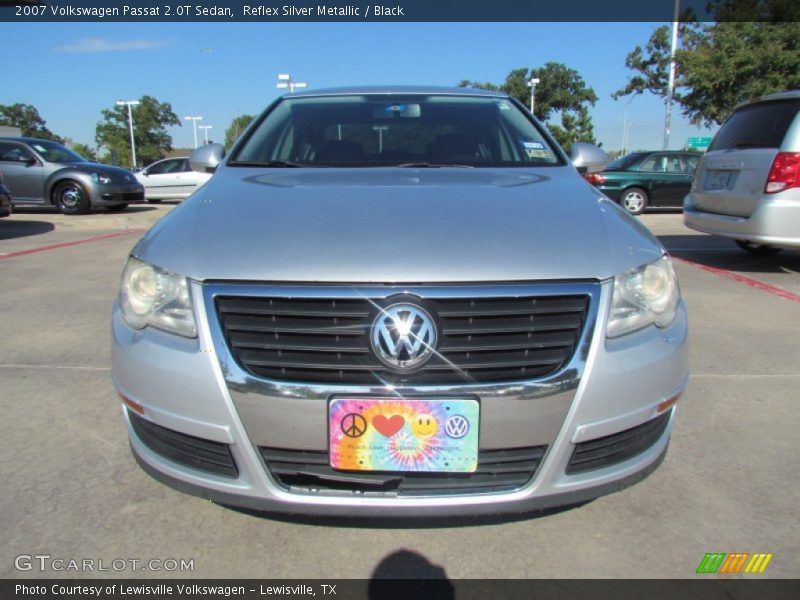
(72, 71)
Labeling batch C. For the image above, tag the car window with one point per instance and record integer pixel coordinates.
(655, 164)
(53, 152)
(758, 126)
(165, 166)
(691, 162)
(185, 165)
(13, 153)
(364, 130)
(673, 164)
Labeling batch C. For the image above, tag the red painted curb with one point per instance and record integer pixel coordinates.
(764, 287)
(96, 238)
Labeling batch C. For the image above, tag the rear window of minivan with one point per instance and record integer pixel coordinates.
(758, 126)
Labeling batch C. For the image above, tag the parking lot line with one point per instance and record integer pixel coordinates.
(764, 287)
(95, 238)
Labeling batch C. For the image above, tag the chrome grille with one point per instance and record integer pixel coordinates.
(326, 340)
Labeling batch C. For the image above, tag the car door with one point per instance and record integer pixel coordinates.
(22, 172)
(162, 179)
(666, 179)
(192, 179)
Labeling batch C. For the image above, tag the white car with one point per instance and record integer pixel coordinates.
(170, 179)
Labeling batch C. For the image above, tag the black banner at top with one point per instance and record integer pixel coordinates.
(395, 10)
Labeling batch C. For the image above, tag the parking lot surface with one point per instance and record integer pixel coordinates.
(72, 490)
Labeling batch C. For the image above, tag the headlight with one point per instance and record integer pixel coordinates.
(100, 178)
(153, 296)
(645, 296)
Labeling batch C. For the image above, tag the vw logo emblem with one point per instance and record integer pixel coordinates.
(403, 336)
(456, 427)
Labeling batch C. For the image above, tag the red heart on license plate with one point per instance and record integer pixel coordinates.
(388, 426)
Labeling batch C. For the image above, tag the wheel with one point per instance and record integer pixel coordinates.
(757, 249)
(154, 200)
(634, 200)
(70, 198)
(116, 208)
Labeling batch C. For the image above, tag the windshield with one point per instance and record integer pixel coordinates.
(623, 162)
(52, 152)
(383, 130)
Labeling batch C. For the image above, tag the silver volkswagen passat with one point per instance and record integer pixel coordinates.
(398, 301)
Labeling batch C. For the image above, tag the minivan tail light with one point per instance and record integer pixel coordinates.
(785, 172)
(594, 178)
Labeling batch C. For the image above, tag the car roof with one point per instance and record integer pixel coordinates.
(26, 140)
(787, 95)
(397, 89)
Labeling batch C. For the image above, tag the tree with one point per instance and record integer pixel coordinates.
(561, 92)
(150, 120)
(723, 63)
(238, 125)
(84, 150)
(28, 119)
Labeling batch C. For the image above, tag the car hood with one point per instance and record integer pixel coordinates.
(391, 225)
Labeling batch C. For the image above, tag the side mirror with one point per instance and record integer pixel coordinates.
(206, 159)
(588, 158)
(27, 160)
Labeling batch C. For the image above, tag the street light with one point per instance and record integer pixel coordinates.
(532, 84)
(285, 82)
(380, 129)
(194, 121)
(625, 124)
(130, 103)
(671, 80)
(205, 129)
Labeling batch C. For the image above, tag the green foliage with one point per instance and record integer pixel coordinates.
(28, 119)
(238, 125)
(84, 150)
(561, 92)
(722, 64)
(150, 120)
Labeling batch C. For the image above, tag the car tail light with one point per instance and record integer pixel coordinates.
(785, 172)
(594, 178)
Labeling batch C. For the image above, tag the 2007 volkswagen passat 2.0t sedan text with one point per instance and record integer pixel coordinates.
(398, 301)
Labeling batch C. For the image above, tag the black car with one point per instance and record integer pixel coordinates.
(5, 199)
(642, 179)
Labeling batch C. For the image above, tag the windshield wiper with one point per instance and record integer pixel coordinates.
(427, 165)
(287, 164)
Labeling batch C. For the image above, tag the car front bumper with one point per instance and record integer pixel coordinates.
(192, 386)
(775, 222)
(112, 195)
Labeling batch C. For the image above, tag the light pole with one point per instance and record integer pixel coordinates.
(380, 129)
(130, 103)
(194, 120)
(671, 82)
(532, 84)
(625, 124)
(285, 82)
(205, 129)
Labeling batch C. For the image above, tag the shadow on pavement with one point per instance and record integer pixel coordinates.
(722, 253)
(51, 210)
(17, 229)
(429, 580)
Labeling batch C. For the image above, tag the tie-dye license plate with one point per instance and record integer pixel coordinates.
(403, 435)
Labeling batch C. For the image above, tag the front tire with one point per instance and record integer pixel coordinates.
(71, 198)
(634, 200)
(757, 249)
(116, 208)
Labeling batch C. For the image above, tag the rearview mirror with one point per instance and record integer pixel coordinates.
(588, 158)
(206, 159)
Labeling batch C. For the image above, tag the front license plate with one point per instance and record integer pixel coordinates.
(403, 435)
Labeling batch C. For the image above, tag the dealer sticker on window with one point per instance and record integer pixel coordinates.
(399, 434)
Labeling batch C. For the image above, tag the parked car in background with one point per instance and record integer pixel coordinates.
(44, 173)
(5, 199)
(748, 184)
(398, 301)
(170, 179)
(643, 179)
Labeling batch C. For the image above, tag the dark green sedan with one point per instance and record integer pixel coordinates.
(642, 179)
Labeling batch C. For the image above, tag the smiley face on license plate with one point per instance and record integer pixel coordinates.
(400, 435)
